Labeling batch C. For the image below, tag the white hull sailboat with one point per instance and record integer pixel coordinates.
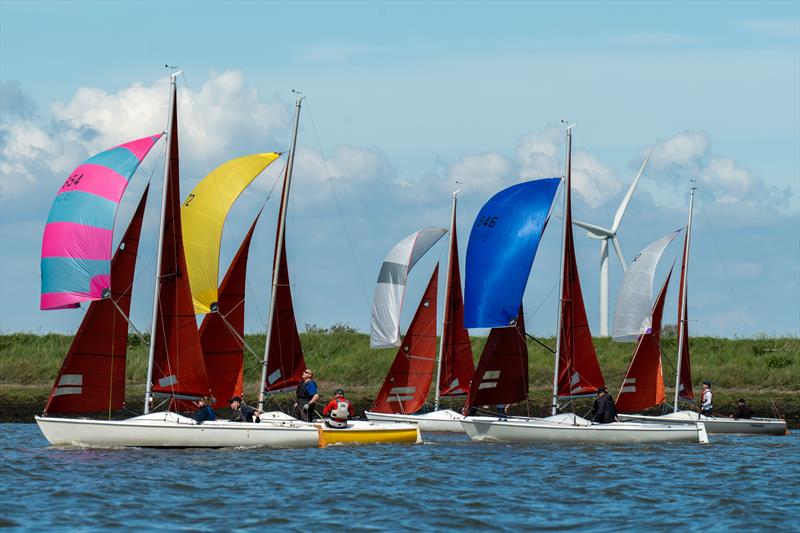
(574, 429)
(576, 369)
(171, 430)
(443, 420)
(716, 424)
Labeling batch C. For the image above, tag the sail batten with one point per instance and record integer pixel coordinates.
(78, 236)
(203, 215)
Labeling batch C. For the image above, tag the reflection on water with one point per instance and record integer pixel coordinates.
(750, 483)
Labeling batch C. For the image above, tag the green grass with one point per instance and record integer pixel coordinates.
(342, 356)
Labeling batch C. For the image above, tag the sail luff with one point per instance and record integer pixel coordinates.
(445, 311)
(92, 376)
(408, 381)
(280, 248)
(222, 348)
(683, 376)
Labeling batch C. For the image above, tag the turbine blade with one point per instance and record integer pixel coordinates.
(591, 228)
(620, 255)
(628, 195)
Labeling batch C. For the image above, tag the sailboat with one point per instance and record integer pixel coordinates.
(648, 355)
(453, 367)
(76, 267)
(576, 370)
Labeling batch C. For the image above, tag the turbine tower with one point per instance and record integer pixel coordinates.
(604, 235)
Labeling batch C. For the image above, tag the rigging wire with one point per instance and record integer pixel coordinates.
(338, 206)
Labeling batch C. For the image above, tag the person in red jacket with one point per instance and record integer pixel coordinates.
(338, 410)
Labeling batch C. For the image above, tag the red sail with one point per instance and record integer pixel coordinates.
(285, 363)
(178, 368)
(221, 332)
(406, 386)
(683, 323)
(92, 377)
(502, 374)
(578, 369)
(643, 385)
(457, 365)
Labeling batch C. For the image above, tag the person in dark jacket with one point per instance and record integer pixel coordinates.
(204, 411)
(243, 412)
(605, 410)
(307, 396)
(742, 410)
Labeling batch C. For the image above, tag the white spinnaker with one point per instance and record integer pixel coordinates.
(388, 299)
(635, 298)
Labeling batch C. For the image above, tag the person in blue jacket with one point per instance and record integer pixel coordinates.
(204, 411)
(307, 396)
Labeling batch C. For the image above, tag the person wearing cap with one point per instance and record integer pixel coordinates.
(307, 396)
(706, 408)
(742, 410)
(242, 411)
(204, 411)
(339, 410)
(605, 410)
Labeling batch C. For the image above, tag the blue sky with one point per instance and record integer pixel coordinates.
(403, 100)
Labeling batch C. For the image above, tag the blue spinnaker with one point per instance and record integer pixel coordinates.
(502, 245)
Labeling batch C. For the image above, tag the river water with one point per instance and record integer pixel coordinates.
(749, 483)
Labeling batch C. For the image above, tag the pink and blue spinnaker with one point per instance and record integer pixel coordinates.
(76, 246)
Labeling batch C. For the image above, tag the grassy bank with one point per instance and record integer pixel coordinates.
(760, 369)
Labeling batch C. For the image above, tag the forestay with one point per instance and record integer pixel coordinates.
(77, 241)
(391, 286)
(203, 215)
(501, 249)
(634, 303)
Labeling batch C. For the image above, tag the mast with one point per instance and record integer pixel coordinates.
(445, 314)
(682, 318)
(279, 246)
(567, 185)
(157, 291)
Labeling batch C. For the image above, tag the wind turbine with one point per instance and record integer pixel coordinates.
(604, 235)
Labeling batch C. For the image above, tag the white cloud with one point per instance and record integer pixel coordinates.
(483, 174)
(685, 149)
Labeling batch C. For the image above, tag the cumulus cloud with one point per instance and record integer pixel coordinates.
(14, 102)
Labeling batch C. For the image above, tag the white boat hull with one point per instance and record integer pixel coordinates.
(443, 420)
(170, 430)
(529, 430)
(717, 425)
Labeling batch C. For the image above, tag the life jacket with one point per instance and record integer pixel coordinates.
(302, 392)
(342, 411)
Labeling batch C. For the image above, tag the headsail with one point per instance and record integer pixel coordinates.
(221, 333)
(92, 377)
(178, 368)
(77, 241)
(203, 214)
(501, 249)
(409, 379)
(388, 299)
(457, 365)
(634, 308)
(502, 373)
(643, 386)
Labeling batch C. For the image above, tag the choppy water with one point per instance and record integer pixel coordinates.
(748, 483)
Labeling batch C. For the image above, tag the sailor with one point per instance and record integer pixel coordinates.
(204, 411)
(706, 408)
(742, 410)
(605, 410)
(307, 396)
(339, 410)
(243, 412)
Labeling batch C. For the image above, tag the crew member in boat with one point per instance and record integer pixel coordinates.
(605, 410)
(706, 408)
(243, 412)
(307, 396)
(742, 410)
(338, 411)
(204, 411)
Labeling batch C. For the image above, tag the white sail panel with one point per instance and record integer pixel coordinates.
(635, 298)
(391, 286)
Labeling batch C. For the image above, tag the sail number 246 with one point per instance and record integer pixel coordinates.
(487, 220)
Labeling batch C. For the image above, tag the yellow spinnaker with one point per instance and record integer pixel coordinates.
(203, 214)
